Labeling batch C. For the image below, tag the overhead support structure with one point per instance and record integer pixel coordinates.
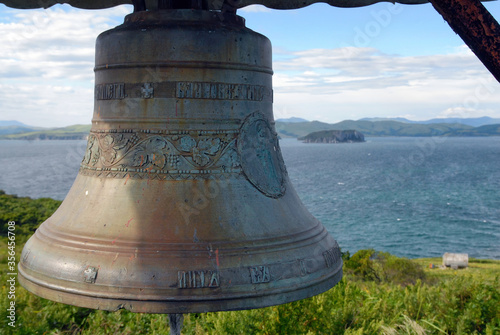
(219, 5)
(183, 203)
(477, 28)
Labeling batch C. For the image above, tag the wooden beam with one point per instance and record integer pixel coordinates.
(477, 27)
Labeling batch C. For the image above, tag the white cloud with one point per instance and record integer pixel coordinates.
(46, 64)
(254, 9)
(358, 82)
(47, 60)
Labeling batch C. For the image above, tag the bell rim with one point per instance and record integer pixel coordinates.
(188, 305)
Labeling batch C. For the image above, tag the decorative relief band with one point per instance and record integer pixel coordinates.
(183, 90)
(201, 154)
(252, 151)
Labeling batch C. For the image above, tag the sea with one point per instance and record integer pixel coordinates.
(409, 196)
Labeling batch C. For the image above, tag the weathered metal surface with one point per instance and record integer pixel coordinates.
(197, 4)
(175, 323)
(477, 27)
(182, 203)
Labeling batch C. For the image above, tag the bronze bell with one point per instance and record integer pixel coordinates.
(182, 203)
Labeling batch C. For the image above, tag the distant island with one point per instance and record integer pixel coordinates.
(333, 136)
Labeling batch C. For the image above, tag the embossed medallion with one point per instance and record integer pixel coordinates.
(261, 158)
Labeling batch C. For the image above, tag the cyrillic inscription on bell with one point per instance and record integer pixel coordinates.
(182, 202)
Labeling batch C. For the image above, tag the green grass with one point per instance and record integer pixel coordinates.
(487, 270)
(379, 294)
(26, 212)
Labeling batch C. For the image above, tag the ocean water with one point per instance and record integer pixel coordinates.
(413, 197)
(39, 169)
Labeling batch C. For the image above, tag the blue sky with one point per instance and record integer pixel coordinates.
(330, 63)
(398, 29)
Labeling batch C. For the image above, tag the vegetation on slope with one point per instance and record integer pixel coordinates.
(387, 128)
(75, 132)
(13, 129)
(379, 294)
(26, 212)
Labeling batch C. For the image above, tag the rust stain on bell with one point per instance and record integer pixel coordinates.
(182, 202)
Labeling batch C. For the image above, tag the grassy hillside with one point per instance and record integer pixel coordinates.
(475, 121)
(386, 128)
(379, 294)
(488, 130)
(13, 129)
(299, 129)
(75, 132)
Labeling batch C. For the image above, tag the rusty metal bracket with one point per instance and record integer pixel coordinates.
(477, 28)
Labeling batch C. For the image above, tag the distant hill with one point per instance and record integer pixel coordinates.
(292, 127)
(14, 127)
(292, 120)
(6, 130)
(474, 122)
(488, 130)
(7, 123)
(387, 128)
(75, 132)
(398, 119)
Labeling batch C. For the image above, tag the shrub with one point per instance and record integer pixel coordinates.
(371, 265)
(26, 212)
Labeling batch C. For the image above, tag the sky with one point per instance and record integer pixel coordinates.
(330, 64)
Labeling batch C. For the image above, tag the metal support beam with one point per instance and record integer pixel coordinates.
(176, 322)
(476, 26)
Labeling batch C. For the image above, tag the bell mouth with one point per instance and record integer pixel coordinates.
(154, 282)
(180, 305)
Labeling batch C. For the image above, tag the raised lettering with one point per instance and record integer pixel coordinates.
(198, 279)
(260, 274)
(110, 91)
(220, 91)
(331, 257)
